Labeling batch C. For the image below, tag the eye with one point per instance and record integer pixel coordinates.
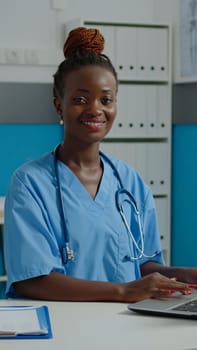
(78, 100)
(107, 100)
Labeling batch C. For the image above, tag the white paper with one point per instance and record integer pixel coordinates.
(19, 320)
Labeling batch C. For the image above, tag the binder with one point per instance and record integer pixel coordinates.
(152, 53)
(151, 110)
(163, 110)
(126, 60)
(158, 167)
(118, 129)
(25, 322)
(160, 56)
(108, 33)
(132, 153)
(162, 206)
(144, 53)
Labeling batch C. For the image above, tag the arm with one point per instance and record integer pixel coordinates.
(186, 275)
(56, 286)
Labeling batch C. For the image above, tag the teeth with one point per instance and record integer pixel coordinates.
(92, 123)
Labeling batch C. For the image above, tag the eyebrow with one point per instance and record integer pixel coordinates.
(87, 91)
(82, 90)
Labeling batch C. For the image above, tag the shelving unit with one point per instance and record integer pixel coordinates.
(141, 134)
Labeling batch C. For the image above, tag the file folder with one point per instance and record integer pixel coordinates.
(25, 322)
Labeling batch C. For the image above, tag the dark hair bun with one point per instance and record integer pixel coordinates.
(87, 39)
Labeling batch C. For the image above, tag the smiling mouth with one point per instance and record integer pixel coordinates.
(93, 123)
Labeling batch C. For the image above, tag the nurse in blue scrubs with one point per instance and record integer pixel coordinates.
(80, 225)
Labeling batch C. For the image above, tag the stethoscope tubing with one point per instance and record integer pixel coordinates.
(67, 252)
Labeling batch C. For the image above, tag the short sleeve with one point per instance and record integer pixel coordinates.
(31, 249)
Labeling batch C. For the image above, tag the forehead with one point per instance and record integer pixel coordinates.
(90, 77)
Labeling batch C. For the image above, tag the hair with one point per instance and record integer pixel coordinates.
(83, 47)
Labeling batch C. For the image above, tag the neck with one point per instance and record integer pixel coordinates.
(83, 157)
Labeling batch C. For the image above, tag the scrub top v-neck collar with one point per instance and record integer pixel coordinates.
(68, 178)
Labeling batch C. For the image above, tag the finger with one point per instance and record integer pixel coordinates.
(173, 285)
(186, 292)
(161, 293)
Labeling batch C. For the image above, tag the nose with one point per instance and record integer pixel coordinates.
(94, 108)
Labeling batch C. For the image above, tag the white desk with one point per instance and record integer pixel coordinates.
(106, 326)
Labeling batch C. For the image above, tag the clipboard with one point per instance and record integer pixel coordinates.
(25, 322)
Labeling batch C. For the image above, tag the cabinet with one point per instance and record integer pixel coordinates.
(141, 135)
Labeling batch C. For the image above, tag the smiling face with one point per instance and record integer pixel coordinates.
(88, 105)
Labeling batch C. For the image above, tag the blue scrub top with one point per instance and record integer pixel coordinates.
(34, 229)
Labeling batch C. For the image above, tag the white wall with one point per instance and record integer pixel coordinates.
(39, 28)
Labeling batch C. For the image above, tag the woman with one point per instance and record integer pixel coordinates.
(66, 236)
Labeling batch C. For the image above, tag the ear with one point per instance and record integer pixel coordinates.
(57, 104)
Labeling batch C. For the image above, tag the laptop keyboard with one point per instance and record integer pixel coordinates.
(191, 306)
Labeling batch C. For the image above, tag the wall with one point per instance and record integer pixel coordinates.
(37, 25)
(22, 142)
(184, 194)
(184, 151)
(184, 175)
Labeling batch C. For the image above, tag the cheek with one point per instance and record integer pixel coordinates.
(71, 111)
(113, 111)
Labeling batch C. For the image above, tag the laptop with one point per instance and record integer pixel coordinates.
(178, 305)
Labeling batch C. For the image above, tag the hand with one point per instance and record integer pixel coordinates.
(153, 285)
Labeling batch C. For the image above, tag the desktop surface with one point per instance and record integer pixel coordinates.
(82, 325)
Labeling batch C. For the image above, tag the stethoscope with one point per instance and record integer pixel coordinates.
(67, 252)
